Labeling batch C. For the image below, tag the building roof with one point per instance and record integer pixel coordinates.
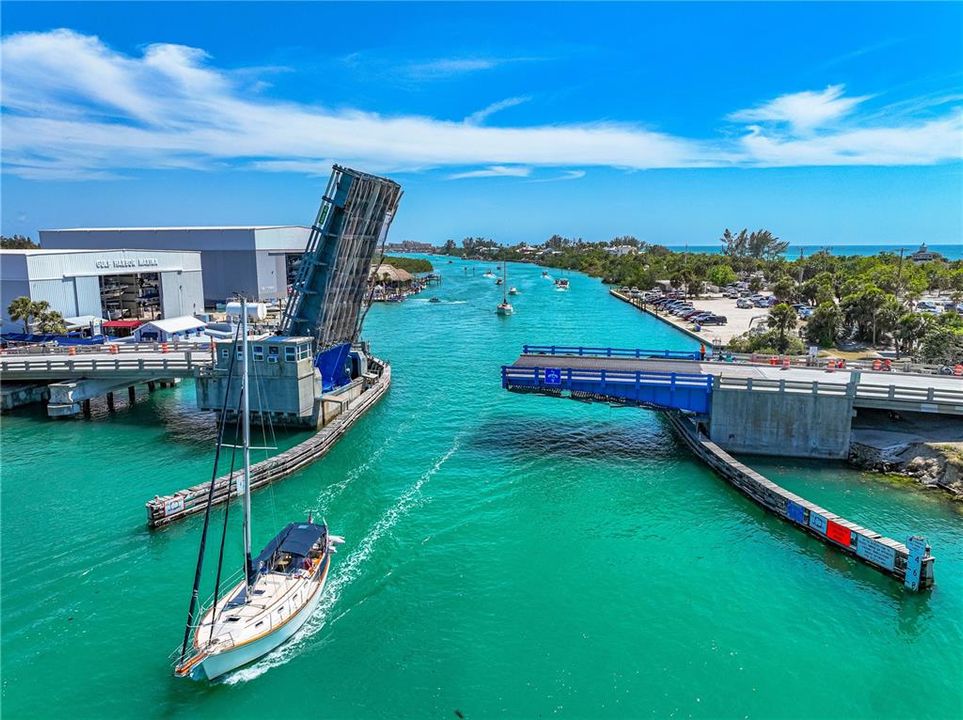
(179, 228)
(117, 324)
(75, 251)
(394, 274)
(176, 324)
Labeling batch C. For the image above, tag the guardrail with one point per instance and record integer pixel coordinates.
(688, 391)
(118, 347)
(863, 391)
(170, 365)
(583, 351)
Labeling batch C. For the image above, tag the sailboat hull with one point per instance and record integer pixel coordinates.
(215, 665)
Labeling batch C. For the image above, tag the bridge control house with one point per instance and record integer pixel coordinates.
(112, 284)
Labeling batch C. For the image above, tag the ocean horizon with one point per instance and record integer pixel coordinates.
(948, 251)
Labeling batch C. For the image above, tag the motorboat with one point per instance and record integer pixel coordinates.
(561, 284)
(513, 291)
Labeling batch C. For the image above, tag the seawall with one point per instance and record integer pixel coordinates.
(636, 304)
(910, 563)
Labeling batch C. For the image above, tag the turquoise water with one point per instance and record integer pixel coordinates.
(506, 555)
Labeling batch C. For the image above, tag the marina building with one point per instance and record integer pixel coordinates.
(113, 284)
(260, 261)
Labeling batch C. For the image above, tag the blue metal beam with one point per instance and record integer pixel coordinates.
(582, 351)
(677, 391)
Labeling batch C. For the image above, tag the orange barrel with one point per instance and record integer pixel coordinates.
(72, 350)
(958, 370)
(877, 364)
(164, 347)
(786, 362)
(830, 365)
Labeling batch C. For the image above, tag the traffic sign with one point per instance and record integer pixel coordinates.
(553, 376)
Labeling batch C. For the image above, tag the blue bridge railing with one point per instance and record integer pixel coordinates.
(609, 352)
(679, 391)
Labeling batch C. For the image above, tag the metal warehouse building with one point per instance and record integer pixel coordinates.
(258, 261)
(110, 284)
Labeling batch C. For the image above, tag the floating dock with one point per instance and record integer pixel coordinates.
(166, 509)
(910, 563)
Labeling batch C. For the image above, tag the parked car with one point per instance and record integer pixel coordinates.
(806, 313)
(714, 320)
(743, 303)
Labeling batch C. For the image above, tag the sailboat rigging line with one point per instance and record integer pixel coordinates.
(259, 393)
(227, 512)
(221, 422)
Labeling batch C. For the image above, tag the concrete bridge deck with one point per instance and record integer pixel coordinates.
(882, 390)
(141, 365)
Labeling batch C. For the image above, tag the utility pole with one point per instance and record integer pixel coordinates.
(899, 274)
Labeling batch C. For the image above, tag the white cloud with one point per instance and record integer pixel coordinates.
(73, 107)
(447, 67)
(477, 118)
(566, 175)
(493, 171)
(804, 111)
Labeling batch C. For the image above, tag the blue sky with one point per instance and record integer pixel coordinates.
(830, 124)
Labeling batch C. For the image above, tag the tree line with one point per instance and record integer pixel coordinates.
(861, 299)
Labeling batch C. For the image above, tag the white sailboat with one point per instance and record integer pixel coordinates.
(280, 589)
(505, 307)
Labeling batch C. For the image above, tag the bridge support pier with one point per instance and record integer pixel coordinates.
(73, 398)
(14, 395)
(131, 395)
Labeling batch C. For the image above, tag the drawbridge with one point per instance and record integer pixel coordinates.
(311, 360)
(325, 301)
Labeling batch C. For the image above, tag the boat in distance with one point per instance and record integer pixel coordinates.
(504, 307)
(561, 284)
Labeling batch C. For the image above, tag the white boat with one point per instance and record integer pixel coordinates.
(488, 274)
(513, 291)
(561, 284)
(280, 589)
(504, 307)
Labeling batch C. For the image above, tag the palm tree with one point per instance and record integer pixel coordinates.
(50, 322)
(782, 319)
(22, 308)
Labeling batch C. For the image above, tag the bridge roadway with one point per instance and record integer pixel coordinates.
(905, 392)
(128, 364)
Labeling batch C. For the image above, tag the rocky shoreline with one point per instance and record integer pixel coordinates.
(937, 465)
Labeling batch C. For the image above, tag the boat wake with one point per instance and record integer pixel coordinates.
(344, 573)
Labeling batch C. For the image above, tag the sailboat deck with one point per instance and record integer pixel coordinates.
(275, 598)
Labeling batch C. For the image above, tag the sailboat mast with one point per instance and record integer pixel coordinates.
(246, 430)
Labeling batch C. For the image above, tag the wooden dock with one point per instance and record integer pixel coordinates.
(909, 563)
(166, 509)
